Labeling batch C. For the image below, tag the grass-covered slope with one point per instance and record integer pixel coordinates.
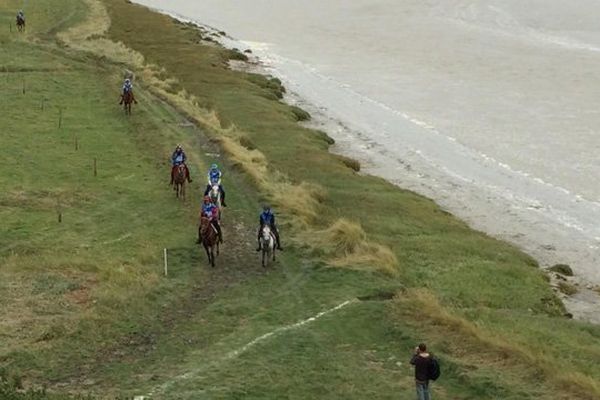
(85, 308)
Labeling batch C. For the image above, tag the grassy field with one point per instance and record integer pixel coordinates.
(85, 308)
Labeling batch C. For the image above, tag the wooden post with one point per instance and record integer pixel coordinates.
(23, 85)
(10, 24)
(59, 117)
(95, 167)
(42, 104)
(166, 262)
(77, 147)
(59, 210)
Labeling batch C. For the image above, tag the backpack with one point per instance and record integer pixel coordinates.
(434, 369)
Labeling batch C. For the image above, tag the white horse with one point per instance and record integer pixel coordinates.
(215, 195)
(267, 243)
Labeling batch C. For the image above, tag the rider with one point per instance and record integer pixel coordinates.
(210, 211)
(21, 15)
(127, 88)
(268, 218)
(214, 178)
(177, 158)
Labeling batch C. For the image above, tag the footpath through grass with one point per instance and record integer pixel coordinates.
(85, 307)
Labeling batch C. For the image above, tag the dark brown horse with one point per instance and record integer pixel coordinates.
(20, 23)
(210, 239)
(179, 180)
(126, 99)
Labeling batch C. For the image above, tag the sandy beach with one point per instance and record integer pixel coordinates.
(487, 107)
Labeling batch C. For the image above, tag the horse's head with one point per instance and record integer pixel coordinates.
(215, 192)
(181, 170)
(266, 233)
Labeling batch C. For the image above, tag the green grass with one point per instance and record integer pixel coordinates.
(85, 308)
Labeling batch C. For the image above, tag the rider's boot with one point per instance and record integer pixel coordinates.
(259, 248)
(223, 199)
(278, 242)
(199, 240)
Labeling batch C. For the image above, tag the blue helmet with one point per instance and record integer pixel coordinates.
(214, 166)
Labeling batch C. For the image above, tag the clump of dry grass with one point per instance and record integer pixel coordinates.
(345, 244)
(429, 308)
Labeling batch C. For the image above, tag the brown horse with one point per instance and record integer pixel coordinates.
(210, 239)
(179, 180)
(126, 99)
(20, 23)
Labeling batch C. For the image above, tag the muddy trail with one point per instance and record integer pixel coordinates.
(237, 262)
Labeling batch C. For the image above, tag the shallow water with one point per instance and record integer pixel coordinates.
(489, 107)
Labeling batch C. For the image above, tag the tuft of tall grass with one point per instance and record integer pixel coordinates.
(345, 244)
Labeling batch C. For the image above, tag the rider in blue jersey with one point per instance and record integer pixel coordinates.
(268, 218)
(214, 178)
(177, 158)
(127, 88)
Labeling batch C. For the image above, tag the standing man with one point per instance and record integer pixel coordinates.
(422, 361)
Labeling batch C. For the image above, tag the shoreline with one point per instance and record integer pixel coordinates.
(583, 305)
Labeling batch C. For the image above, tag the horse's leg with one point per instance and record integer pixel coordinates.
(273, 249)
(207, 251)
(217, 246)
(212, 256)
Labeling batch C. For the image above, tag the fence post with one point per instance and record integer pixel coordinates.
(166, 261)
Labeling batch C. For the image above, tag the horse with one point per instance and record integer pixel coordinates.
(179, 181)
(210, 239)
(215, 195)
(20, 23)
(267, 243)
(126, 100)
